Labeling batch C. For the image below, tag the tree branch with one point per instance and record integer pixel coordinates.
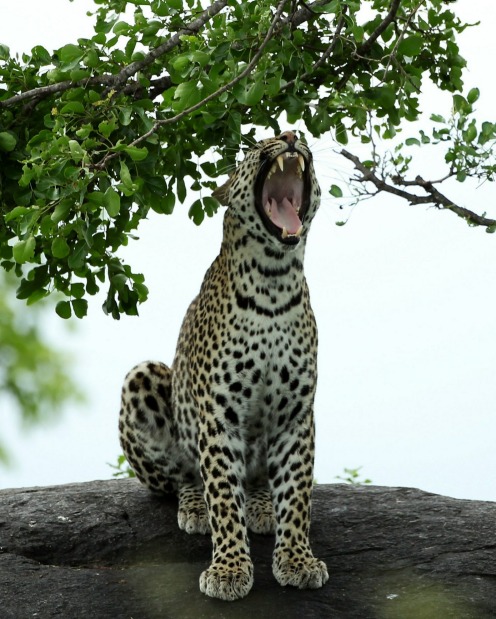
(117, 80)
(367, 45)
(246, 71)
(433, 196)
(168, 45)
(324, 56)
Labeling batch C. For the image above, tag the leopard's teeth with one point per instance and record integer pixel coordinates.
(301, 161)
(299, 231)
(284, 233)
(280, 161)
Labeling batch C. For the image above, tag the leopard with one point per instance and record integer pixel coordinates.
(229, 427)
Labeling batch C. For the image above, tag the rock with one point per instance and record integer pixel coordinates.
(112, 550)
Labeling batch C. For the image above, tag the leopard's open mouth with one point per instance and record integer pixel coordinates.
(282, 194)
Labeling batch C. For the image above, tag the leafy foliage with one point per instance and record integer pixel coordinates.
(33, 376)
(122, 468)
(353, 477)
(153, 106)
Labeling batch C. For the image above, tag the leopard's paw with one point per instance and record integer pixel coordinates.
(226, 582)
(193, 521)
(260, 514)
(303, 571)
(192, 515)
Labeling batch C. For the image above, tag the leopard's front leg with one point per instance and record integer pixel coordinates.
(291, 477)
(230, 575)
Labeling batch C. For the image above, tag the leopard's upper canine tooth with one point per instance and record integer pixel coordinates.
(284, 233)
(301, 161)
(280, 161)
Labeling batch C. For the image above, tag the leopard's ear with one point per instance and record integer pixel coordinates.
(222, 193)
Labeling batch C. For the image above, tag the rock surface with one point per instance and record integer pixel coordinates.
(111, 550)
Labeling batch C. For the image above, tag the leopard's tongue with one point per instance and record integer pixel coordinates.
(283, 215)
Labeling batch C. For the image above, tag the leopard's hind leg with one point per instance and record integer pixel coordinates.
(146, 427)
(150, 441)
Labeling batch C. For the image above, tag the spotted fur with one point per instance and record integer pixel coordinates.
(229, 427)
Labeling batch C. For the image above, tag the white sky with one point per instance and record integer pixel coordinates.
(405, 300)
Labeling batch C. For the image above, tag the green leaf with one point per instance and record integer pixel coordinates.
(61, 210)
(471, 133)
(210, 205)
(106, 127)
(125, 176)
(186, 95)
(341, 134)
(16, 213)
(412, 142)
(63, 309)
(80, 307)
(196, 213)
(121, 27)
(8, 141)
(125, 115)
(60, 247)
(336, 191)
(4, 52)
(78, 257)
(112, 202)
(70, 55)
(411, 46)
(70, 52)
(460, 104)
(23, 251)
(73, 107)
(77, 290)
(168, 202)
(136, 154)
(252, 93)
(473, 95)
(79, 74)
(181, 189)
(77, 152)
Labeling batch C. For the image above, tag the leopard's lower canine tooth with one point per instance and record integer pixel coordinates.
(301, 161)
(284, 233)
(280, 161)
(299, 231)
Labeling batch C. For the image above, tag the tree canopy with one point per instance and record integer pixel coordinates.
(158, 101)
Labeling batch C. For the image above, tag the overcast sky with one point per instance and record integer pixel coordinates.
(405, 300)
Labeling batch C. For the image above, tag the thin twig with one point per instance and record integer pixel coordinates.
(323, 58)
(400, 38)
(367, 45)
(433, 196)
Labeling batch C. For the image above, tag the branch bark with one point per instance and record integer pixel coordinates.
(432, 195)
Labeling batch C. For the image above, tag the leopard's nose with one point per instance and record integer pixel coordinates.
(289, 137)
